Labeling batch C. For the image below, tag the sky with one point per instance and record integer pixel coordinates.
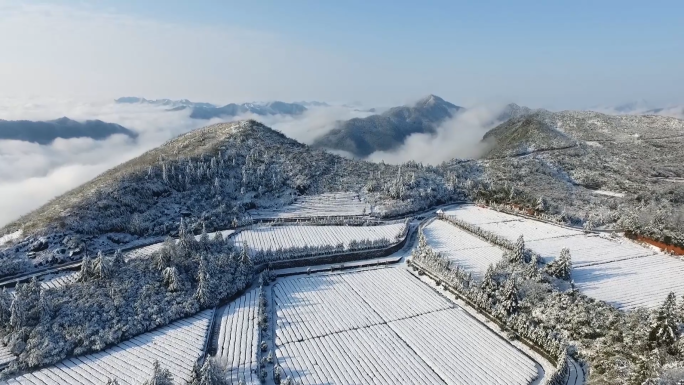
(558, 55)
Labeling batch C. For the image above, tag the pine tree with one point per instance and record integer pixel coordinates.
(118, 260)
(101, 268)
(203, 292)
(17, 314)
(664, 331)
(171, 278)
(5, 304)
(518, 255)
(210, 374)
(204, 238)
(162, 258)
(86, 269)
(541, 205)
(489, 284)
(510, 298)
(561, 267)
(47, 309)
(159, 376)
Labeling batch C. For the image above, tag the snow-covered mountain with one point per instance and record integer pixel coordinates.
(173, 104)
(44, 132)
(387, 131)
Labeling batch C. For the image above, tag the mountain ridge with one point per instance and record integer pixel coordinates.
(45, 132)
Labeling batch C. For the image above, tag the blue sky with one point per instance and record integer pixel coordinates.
(557, 54)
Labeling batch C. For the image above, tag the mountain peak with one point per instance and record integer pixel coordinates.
(430, 101)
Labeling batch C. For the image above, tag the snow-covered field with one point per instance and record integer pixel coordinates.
(383, 326)
(479, 215)
(331, 204)
(5, 355)
(238, 338)
(176, 346)
(471, 253)
(616, 270)
(532, 230)
(56, 280)
(274, 237)
(631, 283)
(588, 250)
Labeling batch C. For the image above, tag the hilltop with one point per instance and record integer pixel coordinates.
(387, 131)
(210, 176)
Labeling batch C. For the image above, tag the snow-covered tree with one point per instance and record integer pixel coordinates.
(510, 298)
(204, 238)
(101, 268)
(203, 280)
(664, 331)
(489, 284)
(112, 381)
(5, 304)
(159, 376)
(171, 278)
(118, 260)
(17, 314)
(211, 374)
(540, 206)
(277, 374)
(518, 254)
(561, 267)
(86, 269)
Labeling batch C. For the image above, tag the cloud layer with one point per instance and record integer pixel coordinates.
(459, 137)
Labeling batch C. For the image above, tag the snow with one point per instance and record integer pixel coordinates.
(5, 355)
(609, 193)
(618, 271)
(10, 237)
(479, 215)
(52, 281)
(274, 237)
(589, 250)
(631, 283)
(531, 230)
(330, 204)
(469, 252)
(176, 346)
(383, 326)
(146, 251)
(238, 338)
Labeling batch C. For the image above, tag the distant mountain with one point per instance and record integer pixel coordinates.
(313, 103)
(512, 111)
(387, 131)
(263, 109)
(173, 104)
(47, 131)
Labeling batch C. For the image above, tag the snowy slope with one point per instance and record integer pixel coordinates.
(330, 204)
(176, 347)
(469, 252)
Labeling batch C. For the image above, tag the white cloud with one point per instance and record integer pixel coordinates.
(459, 137)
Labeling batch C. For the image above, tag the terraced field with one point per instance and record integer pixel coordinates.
(176, 346)
(613, 269)
(466, 250)
(238, 338)
(383, 326)
(275, 237)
